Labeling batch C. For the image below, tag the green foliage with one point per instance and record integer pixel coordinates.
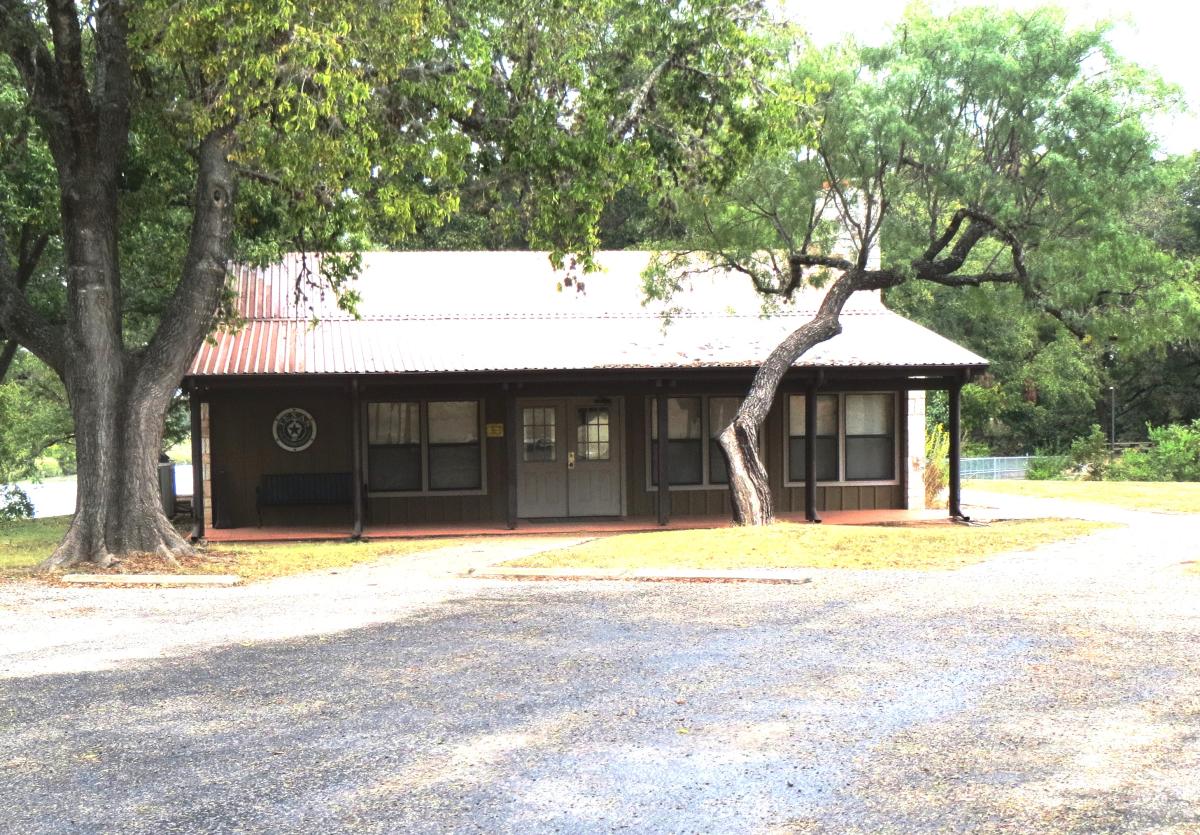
(1173, 455)
(937, 462)
(35, 421)
(14, 503)
(1090, 454)
(1046, 467)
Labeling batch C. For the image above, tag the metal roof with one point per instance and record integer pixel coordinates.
(428, 312)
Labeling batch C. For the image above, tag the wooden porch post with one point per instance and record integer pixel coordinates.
(356, 468)
(955, 452)
(664, 486)
(810, 454)
(513, 446)
(197, 465)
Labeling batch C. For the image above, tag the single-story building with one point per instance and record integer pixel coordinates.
(488, 388)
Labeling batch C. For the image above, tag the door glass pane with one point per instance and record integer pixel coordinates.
(539, 425)
(591, 434)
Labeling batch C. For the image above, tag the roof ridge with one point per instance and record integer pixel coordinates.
(508, 316)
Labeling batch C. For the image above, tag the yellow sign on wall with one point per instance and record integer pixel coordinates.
(495, 430)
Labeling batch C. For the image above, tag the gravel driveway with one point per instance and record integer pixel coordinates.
(1056, 690)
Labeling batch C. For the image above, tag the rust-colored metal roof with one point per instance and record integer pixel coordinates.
(428, 312)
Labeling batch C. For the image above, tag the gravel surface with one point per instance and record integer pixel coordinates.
(1053, 691)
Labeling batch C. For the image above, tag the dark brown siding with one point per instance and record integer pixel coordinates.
(243, 450)
(426, 510)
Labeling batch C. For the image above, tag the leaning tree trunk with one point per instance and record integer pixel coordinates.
(749, 490)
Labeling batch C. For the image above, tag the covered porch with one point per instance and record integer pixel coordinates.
(635, 524)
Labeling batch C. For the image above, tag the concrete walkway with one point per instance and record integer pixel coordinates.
(1055, 690)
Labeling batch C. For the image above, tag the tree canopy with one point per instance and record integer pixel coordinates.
(1004, 162)
(155, 144)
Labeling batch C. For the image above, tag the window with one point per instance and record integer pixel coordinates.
(406, 454)
(855, 440)
(870, 437)
(591, 434)
(539, 430)
(694, 456)
(454, 459)
(685, 441)
(721, 411)
(393, 446)
(826, 438)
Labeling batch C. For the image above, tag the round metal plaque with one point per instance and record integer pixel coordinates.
(294, 429)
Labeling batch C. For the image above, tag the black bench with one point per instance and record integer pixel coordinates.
(295, 489)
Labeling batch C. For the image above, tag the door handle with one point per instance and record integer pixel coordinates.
(570, 460)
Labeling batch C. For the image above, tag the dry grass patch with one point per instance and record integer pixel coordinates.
(784, 545)
(26, 543)
(1172, 496)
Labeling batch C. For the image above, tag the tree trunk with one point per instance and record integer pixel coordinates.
(7, 355)
(118, 510)
(119, 398)
(749, 491)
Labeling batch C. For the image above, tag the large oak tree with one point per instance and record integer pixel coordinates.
(235, 130)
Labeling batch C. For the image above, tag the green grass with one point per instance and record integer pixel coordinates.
(1174, 496)
(813, 546)
(26, 543)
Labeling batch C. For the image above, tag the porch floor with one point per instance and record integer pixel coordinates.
(573, 526)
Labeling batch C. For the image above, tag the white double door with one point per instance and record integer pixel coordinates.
(570, 457)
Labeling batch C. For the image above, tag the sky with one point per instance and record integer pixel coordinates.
(1157, 34)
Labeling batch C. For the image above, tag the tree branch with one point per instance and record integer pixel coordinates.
(640, 99)
(21, 322)
(189, 313)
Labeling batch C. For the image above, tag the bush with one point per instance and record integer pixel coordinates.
(937, 462)
(1047, 467)
(1174, 455)
(1090, 455)
(14, 503)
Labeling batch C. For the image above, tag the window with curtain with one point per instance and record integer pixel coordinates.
(721, 411)
(393, 446)
(870, 437)
(454, 452)
(826, 439)
(407, 454)
(685, 441)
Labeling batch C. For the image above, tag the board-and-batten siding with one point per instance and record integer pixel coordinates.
(243, 450)
(715, 502)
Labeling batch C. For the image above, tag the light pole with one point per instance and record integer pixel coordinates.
(1112, 421)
